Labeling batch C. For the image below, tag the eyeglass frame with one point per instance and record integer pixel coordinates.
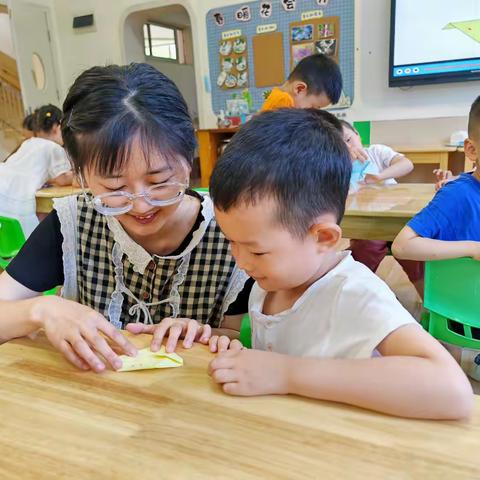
(96, 199)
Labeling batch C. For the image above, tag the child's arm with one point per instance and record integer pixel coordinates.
(399, 167)
(409, 245)
(62, 180)
(416, 377)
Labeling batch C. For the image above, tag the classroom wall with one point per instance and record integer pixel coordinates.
(373, 99)
(182, 74)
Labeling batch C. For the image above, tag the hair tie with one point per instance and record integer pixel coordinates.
(48, 114)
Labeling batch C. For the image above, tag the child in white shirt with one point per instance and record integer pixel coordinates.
(323, 325)
(384, 165)
(38, 160)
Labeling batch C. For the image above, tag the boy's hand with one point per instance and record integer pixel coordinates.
(81, 334)
(372, 178)
(358, 154)
(250, 372)
(221, 343)
(186, 328)
(443, 177)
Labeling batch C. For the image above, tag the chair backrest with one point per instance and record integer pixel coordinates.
(11, 237)
(452, 289)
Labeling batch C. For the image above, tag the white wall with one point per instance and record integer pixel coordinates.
(373, 99)
(182, 74)
(6, 42)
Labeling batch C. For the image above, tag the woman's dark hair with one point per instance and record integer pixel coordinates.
(46, 117)
(295, 156)
(107, 107)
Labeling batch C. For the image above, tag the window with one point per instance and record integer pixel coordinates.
(163, 42)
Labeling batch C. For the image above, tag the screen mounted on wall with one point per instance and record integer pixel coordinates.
(434, 41)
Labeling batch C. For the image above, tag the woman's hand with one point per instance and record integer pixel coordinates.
(175, 328)
(81, 333)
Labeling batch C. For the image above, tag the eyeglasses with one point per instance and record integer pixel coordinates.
(120, 202)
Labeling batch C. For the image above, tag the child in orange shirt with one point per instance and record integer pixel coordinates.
(315, 82)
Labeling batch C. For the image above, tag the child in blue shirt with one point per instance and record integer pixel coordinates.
(449, 226)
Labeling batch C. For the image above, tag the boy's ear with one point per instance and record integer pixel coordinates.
(326, 234)
(299, 87)
(470, 150)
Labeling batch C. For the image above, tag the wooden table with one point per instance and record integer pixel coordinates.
(58, 422)
(427, 158)
(45, 196)
(380, 212)
(209, 141)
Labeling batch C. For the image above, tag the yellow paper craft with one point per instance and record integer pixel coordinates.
(146, 359)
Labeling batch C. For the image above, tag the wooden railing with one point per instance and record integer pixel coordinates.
(11, 104)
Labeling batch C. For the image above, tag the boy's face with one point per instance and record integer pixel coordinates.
(351, 138)
(472, 152)
(311, 101)
(267, 251)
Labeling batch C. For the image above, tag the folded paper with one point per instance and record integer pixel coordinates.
(146, 359)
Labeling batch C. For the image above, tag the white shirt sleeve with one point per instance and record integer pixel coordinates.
(382, 155)
(367, 313)
(57, 161)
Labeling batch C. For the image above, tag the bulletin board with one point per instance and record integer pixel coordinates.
(278, 33)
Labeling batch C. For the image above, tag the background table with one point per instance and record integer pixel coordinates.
(380, 212)
(57, 422)
(45, 196)
(209, 141)
(424, 157)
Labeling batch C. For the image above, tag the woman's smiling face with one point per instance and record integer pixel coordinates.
(137, 175)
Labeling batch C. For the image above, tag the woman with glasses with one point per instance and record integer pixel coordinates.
(138, 249)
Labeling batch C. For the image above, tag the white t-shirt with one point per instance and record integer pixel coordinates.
(26, 171)
(344, 314)
(381, 157)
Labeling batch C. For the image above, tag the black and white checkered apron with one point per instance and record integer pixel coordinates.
(203, 286)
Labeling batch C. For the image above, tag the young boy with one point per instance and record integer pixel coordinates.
(318, 317)
(386, 162)
(386, 166)
(449, 226)
(315, 82)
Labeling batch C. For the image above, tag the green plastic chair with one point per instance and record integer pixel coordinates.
(246, 332)
(452, 296)
(12, 239)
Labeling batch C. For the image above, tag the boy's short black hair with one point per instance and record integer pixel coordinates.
(107, 107)
(474, 120)
(295, 156)
(321, 75)
(348, 125)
